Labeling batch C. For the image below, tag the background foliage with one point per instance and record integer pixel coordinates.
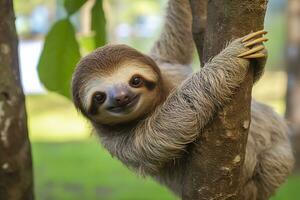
(61, 50)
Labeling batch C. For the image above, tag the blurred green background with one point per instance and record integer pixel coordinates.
(69, 162)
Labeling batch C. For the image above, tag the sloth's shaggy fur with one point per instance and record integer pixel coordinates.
(157, 144)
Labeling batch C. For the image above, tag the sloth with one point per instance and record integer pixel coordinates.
(148, 109)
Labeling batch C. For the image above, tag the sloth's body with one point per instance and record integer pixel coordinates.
(147, 110)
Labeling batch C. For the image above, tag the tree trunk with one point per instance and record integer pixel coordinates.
(218, 155)
(15, 156)
(293, 71)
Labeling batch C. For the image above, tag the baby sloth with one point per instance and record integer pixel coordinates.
(147, 110)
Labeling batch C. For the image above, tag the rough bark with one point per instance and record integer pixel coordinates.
(293, 71)
(218, 155)
(15, 156)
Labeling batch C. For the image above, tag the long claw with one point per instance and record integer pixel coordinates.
(252, 35)
(257, 55)
(259, 40)
(251, 51)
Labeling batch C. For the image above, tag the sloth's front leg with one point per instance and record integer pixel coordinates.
(224, 73)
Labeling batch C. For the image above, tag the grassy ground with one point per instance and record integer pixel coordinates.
(70, 164)
(82, 170)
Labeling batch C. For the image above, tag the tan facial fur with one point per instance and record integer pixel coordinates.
(121, 76)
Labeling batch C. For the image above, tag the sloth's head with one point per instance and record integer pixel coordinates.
(116, 84)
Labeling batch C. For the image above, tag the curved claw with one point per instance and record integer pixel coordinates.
(257, 55)
(256, 41)
(251, 51)
(252, 35)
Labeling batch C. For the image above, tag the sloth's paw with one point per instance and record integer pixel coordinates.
(254, 42)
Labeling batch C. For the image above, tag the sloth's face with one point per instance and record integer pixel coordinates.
(121, 96)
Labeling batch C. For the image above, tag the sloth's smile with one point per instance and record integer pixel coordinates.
(126, 107)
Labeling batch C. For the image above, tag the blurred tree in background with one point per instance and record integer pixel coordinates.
(16, 177)
(293, 71)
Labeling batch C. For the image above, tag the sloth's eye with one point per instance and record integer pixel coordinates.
(99, 97)
(136, 81)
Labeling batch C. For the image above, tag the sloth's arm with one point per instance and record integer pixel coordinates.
(175, 44)
(164, 135)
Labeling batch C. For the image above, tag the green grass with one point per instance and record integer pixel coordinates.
(83, 170)
(290, 190)
(70, 164)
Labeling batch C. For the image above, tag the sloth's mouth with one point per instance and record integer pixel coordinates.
(126, 108)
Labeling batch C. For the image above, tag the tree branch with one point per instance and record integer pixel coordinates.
(218, 155)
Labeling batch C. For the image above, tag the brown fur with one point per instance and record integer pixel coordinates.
(157, 144)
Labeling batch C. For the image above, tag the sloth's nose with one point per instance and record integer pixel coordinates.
(121, 96)
(122, 99)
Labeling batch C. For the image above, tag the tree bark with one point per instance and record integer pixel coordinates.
(218, 155)
(15, 154)
(293, 71)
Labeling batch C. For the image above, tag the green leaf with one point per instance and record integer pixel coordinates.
(73, 6)
(98, 23)
(59, 58)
